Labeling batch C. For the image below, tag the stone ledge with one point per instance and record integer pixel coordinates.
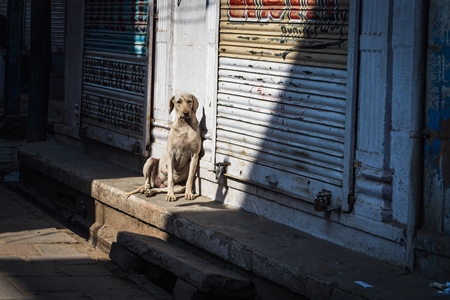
(201, 274)
(305, 265)
(125, 259)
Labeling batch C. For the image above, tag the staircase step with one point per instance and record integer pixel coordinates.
(192, 269)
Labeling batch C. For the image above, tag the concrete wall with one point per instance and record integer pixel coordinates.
(185, 59)
(73, 68)
(408, 63)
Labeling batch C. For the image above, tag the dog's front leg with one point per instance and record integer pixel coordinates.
(190, 181)
(170, 194)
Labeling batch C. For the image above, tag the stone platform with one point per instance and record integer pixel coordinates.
(282, 262)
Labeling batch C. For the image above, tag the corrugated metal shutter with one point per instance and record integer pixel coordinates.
(115, 66)
(3, 6)
(58, 8)
(26, 20)
(57, 25)
(282, 94)
(27, 25)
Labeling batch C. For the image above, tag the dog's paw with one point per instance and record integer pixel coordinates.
(149, 193)
(171, 197)
(189, 196)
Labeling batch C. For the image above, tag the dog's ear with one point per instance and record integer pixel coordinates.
(171, 104)
(195, 106)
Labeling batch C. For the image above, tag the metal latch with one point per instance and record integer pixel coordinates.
(420, 134)
(220, 168)
(83, 131)
(351, 202)
(136, 148)
(323, 202)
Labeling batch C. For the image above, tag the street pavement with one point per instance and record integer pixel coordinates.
(41, 259)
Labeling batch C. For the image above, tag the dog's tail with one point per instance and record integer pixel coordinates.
(139, 190)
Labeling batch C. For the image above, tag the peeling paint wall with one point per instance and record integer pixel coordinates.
(437, 147)
(433, 237)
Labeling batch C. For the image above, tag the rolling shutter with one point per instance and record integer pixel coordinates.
(58, 8)
(27, 25)
(3, 7)
(57, 23)
(115, 72)
(281, 111)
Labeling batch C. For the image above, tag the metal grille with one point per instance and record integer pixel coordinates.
(115, 72)
(282, 94)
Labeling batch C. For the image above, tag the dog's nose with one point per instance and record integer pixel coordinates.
(186, 115)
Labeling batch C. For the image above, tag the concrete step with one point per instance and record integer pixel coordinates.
(283, 262)
(194, 274)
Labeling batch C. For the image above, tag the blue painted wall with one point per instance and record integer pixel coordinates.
(437, 150)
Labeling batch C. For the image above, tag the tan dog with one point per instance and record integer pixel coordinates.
(179, 161)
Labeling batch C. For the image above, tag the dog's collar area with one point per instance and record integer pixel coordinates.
(187, 121)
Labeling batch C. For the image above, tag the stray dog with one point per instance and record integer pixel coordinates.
(179, 161)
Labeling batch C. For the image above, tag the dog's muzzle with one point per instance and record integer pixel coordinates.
(186, 115)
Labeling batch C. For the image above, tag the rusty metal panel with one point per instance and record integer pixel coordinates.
(307, 32)
(114, 106)
(282, 94)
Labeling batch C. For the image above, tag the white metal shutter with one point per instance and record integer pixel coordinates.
(282, 94)
(115, 69)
